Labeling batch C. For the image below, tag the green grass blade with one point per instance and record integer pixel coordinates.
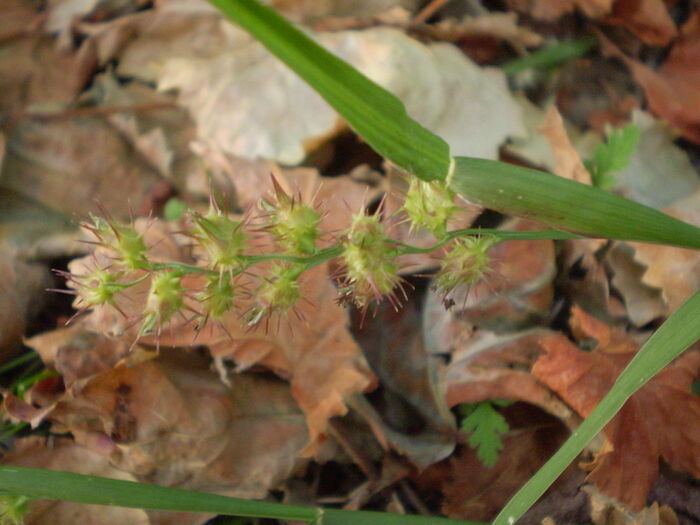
(375, 114)
(567, 205)
(53, 484)
(679, 331)
(551, 55)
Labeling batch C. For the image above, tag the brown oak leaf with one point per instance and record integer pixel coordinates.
(662, 420)
(672, 91)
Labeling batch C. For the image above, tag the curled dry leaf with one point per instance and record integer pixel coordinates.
(553, 9)
(649, 20)
(659, 172)
(67, 165)
(672, 90)
(232, 86)
(567, 161)
(473, 491)
(662, 420)
(501, 26)
(496, 366)
(170, 421)
(21, 294)
(675, 271)
(412, 397)
(66, 455)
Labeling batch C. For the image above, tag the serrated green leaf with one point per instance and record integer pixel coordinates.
(486, 426)
(613, 155)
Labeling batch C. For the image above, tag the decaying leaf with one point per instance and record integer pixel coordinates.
(662, 420)
(672, 90)
(21, 294)
(675, 271)
(170, 421)
(553, 9)
(659, 172)
(468, 106)
(567, 161)
(473, 491)
(647, 19)
(67, 165)
(66, 455)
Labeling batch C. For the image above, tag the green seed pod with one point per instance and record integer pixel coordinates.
(466, 263)
(430, 205)
(218, 296)
(295, 226)
(370, 268)
(222, 238)
(165, 299)
(279, 290)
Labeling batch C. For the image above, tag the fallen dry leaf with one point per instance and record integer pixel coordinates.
(642, 302)
(473, 491)
(553, 9)
(66, 455)
(676, 271)
(412, 400)
(21, 296)
(501, 26)
(672, 90)
(227, 67)
(67, 165)
(662, 420)
(77, 353)
(496, 366)
(567, 161)
(34, 73)
(170, 421)
(607, 511)
(659, 172)
(649, 20)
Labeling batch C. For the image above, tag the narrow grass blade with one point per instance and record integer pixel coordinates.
(52, 484)
(551, 55)
(374, 113)
(567, 205)
(679, 331)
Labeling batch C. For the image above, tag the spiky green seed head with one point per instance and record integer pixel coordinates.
(295, 226)
(430, 205)
(222, 238)
(165, 299)
(370, 268)
(218, 296)
(98, 287)
(279, 290)
(126, 245)
(466, 263)
(13, 509)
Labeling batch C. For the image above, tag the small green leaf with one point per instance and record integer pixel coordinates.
(174, 209)
(486, 426)
(613, 155)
